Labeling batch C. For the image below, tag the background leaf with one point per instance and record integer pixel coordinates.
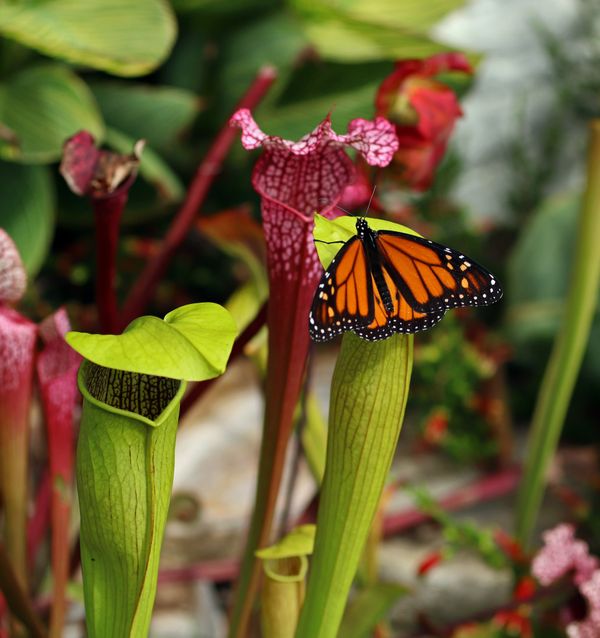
(43, 106)
(124, 37)
(362, 30)
(28, 211)
(276, 40)
(157, 114)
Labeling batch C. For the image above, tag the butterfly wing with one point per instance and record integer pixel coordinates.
(423, 278)
(344, 298)
(402, 317)
(432, 277)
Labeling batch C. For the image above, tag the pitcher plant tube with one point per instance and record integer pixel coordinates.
(57, 365)
(18, 338)
(294, 179)
(132, 386)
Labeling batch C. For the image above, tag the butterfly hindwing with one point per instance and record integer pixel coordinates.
(402, 318)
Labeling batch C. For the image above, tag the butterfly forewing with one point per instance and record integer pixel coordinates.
(344, 298)
(434, 277)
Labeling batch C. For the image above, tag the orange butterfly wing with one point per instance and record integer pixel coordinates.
(344, 298)
(402, 318)
(433, 277)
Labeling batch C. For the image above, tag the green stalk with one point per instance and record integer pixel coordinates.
(568, 351)
(368, 396)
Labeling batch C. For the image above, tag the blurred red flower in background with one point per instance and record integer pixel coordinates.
(424, 111)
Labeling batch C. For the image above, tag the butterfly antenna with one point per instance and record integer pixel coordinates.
(371, 199)
(325, 201)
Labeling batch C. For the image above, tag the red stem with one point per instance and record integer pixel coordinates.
(107, 217)
(144, 288)
(238, 347)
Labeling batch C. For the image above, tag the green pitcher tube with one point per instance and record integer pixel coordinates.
(125, 461)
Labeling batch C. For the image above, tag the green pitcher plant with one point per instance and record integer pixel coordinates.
(369, 391)
(132, 385)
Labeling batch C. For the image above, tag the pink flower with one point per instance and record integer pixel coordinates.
(358, 193)
(589, 627)
(424, 111)
(563, 553)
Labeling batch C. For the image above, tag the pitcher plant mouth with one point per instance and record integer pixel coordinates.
(145, 397)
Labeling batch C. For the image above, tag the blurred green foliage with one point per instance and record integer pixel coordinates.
(198, 57)
(171, 73)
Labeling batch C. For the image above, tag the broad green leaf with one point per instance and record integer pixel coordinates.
(152, 167)
(220, 7)
(408, 14)
(44, 105)
(341, 229)
(299, 542)
(361, 30)
(368, 608)
(538, 280)
(123, 37)
(192, 343)
(276, 40)
(157, 114)
(368, 397)
(28, 211)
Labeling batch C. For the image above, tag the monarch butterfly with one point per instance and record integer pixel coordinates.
(383, 282)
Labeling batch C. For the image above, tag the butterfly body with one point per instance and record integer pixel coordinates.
(368, 237)
(382, 282)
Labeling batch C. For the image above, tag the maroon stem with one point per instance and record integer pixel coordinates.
(210, 167)
(238, 347)
(17, 599)
(107, 217)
